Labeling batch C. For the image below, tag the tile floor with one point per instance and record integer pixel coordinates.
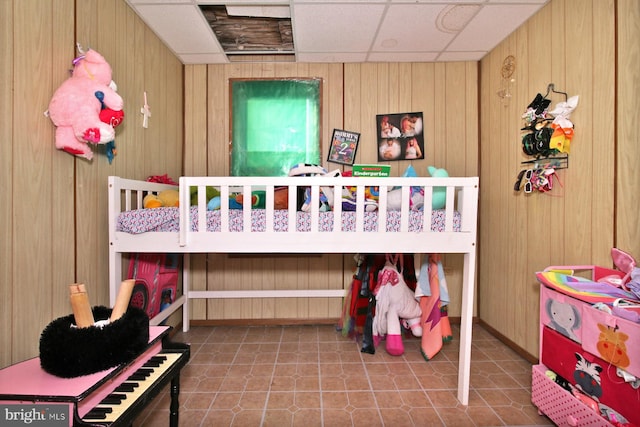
(313, 376)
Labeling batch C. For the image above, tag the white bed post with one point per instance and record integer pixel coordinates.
(186, 265)
(466, 325)
(115, 274)
(115, 257)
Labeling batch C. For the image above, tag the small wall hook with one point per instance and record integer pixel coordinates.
(552, 88)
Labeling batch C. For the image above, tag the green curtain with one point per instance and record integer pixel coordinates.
(275, 125)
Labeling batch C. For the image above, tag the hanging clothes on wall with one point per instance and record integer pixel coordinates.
(547, 138)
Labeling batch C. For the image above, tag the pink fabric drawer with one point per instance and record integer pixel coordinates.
(613, 339)
(560, 405)
(590, 374)
(562, 313)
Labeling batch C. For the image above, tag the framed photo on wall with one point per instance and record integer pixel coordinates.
(400, 136)
(343, 147)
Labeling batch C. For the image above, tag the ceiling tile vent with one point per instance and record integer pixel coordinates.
(454, 18)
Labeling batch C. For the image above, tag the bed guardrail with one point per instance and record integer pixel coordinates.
(393, 194)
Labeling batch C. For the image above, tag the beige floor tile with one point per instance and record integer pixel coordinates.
(310, 376)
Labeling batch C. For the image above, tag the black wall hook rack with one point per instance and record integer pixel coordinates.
(551, 88)
(555, 162)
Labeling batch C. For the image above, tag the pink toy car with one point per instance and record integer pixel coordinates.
(156, 278)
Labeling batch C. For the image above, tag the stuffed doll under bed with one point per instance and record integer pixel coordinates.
(300, 215)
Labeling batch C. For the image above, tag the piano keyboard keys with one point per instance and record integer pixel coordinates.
(97, 414)
(113, 398)
(139, 375)
(155, 361)
(126, 387)
(132, 389)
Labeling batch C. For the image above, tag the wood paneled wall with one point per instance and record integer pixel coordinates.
(352, 96)
(571, 43)
(54, 219)
(627, 216)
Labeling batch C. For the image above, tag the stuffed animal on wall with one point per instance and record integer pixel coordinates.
(164, 199)
(114, 118)
(76, 106)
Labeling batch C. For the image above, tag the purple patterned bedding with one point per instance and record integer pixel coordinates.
(167, 220)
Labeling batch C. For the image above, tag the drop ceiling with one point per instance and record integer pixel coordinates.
(333, 30)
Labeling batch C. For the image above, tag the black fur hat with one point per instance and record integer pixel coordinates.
(68, 352)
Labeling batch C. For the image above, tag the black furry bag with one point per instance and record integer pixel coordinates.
(68, 352)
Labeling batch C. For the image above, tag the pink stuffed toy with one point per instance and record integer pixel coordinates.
(394, 301)
(76, 105)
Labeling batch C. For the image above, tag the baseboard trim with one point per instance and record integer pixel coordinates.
(281, 322)
(512, 345)
(263, 322)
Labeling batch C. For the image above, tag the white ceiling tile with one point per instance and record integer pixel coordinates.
(440, 2)
(271, 11)
(333, 2)
(183, 28)
(461, 56)
(411, 28)
(332, 57)
(163, 2)
(348, 27)
(346, 31)
(247, 2)
(492, 25)
(539, 2)
(402, 56)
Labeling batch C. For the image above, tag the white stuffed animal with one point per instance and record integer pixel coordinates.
(394, 301)
(394, 200)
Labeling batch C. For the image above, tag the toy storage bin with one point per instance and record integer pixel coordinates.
(612, 338)
(592, 272)
(560, 405)
(562, 313)
(569, 360)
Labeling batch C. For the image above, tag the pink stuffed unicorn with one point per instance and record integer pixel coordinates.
(394, 301)
(76, 105)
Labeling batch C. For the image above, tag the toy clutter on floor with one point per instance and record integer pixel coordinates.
(589, 367)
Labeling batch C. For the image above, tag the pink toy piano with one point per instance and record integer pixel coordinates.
(112, 397)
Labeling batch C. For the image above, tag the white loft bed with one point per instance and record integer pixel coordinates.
(407, 231)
